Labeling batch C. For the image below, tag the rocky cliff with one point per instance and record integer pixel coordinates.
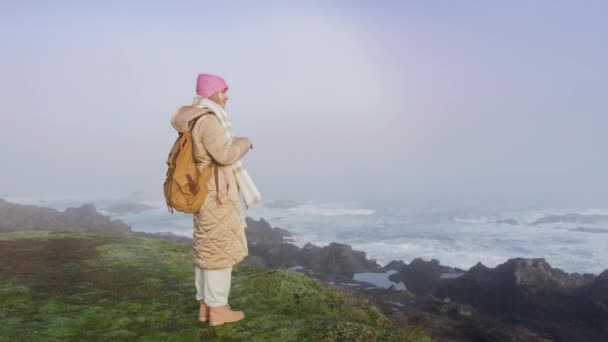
(19, 217)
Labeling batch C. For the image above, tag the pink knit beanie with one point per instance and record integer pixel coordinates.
(207, 85)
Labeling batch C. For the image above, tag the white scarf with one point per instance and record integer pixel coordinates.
(250, 192)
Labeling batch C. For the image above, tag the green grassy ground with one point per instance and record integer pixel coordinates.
(74, 286)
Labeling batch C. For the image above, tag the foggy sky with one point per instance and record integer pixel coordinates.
(342, 99)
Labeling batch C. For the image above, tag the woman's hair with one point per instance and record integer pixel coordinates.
(216, 98)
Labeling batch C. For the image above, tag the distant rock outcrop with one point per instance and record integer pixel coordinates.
(19, 217)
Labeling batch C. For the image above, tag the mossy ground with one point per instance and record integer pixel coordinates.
(74, 286)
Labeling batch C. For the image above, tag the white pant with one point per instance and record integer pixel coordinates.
(213, 286)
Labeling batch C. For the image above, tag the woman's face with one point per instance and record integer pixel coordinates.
(223, 97)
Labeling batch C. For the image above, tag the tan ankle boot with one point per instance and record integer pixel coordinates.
(203, 312)
(219, 315)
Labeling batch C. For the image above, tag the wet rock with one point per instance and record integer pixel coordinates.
(420, 276)
(260, 232)
(335, 258)
(596, 302)
(396, 265)
(530, 291)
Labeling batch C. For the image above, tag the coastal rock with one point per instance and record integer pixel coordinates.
(596, 300)
(530, 291)
(269, 245)
(520, 284)
(260, 232)
(420, 276)
(395, 265)
(276, 255)
(18, 217)
(336, 258)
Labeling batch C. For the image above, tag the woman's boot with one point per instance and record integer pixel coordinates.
(203, 312)
(219, 315)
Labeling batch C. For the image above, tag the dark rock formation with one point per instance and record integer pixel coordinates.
(283, 255)
(335, 258)
(395, 265)
(519, 284)
(270, 244)
(260, 232)
(531, 292)
(420, 276)
(596, 303)
(18, 217)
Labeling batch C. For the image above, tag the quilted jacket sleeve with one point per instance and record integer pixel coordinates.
(215, 142)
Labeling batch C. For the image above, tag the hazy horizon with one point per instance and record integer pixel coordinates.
(342, 100)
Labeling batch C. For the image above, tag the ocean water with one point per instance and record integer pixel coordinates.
(458, 237)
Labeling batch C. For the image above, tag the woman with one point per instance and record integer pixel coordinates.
(219, 226)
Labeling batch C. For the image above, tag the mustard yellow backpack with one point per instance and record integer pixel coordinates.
(185, 186)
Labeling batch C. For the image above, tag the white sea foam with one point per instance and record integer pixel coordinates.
(472, 220)
(527, 217)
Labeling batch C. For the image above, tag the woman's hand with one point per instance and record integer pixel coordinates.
(248, 140)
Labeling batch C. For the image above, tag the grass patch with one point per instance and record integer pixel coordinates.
(70, 286)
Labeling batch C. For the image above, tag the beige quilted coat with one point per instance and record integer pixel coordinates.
(219, 226)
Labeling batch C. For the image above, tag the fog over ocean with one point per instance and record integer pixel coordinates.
(457, 237)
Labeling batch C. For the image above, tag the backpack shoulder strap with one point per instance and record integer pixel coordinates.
(194, 121)
(214, 164)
